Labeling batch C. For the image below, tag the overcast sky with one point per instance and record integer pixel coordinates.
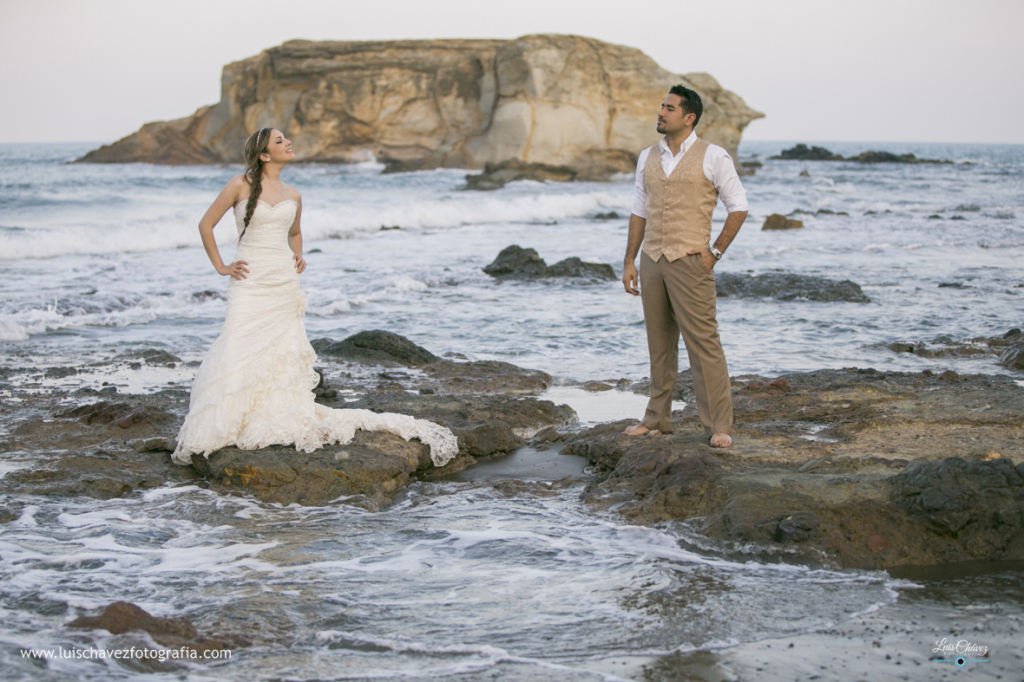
(878, 71)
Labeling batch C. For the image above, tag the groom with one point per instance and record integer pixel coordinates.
(678, 183)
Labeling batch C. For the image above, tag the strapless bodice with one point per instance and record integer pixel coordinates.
(269, 224)
(264, 246)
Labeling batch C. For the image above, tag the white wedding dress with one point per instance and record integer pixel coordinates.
(255, 387)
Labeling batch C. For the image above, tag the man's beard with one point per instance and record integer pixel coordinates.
(661, 127)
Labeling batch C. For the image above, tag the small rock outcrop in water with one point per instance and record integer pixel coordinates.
(1013, 357)
(497, 175)
(1009, 347)
(376, 346)
(559, 100)
(515, 262)
(788, 287)
(781, 222)
(802, 152)
(173, 633)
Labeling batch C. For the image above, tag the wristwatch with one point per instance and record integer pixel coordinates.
(716, 253)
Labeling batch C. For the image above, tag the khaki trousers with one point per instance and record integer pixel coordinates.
(679, 297)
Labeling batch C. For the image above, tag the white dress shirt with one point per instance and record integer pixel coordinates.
(718, 168)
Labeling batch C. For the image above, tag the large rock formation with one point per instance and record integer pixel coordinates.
(551, 99)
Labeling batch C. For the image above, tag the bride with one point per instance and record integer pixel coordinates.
(255, 387)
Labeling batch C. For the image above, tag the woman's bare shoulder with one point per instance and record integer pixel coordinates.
(237, 188)
(294, 194)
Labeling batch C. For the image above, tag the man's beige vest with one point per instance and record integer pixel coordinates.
(679, 206)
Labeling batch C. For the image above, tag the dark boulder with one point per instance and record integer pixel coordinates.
(375, 347)
(1013, 357)
(982, 501)
(788, 287)
(515, 262)
(802, 152)
(780, 222)
(373, 466)
(574, 267)
(174, 633)
(889, 157)
(484, 376)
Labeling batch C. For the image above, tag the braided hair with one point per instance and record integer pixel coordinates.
(254, 146)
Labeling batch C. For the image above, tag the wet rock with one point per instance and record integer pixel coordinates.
(788, 287)
(173, 633)
(889, 157)
(207, 295)
(375, 464)
(484, 376)
(802, 152)
(155, 445)
(60, 372)
(574, 267)
(1013, 357)
(523, 416)
(515, 262)
(944, 346)
(151, 356)
(820, 211)
(853, 496)
(976, 507)
(122, 415)
(7, 515)
(497, 175)
(481, 439)
(798, 527)
(375, 347)
(780, 222)
(596, 386)
(610, 215)
(548, 434)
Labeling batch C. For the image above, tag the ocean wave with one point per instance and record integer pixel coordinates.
(108, 232)
(108, 311)
(517, 204)
(393, 287)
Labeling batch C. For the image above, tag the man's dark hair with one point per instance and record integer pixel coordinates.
(691, 101)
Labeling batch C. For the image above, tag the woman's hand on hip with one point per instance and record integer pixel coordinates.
(300, 264)
(236, 269)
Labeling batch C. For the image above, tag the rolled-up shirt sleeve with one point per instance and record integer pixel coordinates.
(639, 191)
(727, 182)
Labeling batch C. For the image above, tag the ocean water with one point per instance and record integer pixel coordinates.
(457, 581)
(101, 257)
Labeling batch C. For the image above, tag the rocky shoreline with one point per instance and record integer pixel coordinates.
(802, 152)
(852, 468)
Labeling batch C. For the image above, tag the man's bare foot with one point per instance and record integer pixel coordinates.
(721, 440)
(637, 430)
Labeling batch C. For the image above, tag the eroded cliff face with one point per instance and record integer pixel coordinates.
(553, 99)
